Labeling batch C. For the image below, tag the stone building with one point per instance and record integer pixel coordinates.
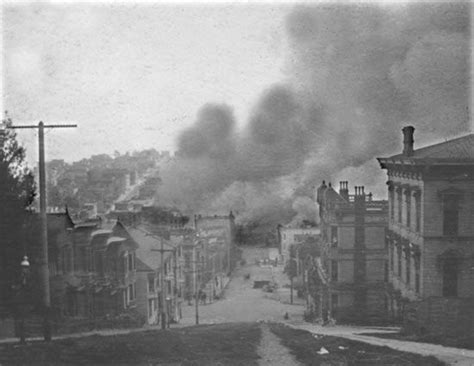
(353, 254)
(431, 233)
(288, 236)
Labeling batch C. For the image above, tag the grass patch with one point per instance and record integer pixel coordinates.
(441, 339)
(305, 346)
(225, 344)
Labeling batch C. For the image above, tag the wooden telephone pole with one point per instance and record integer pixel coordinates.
(162, 251)
(43, 261)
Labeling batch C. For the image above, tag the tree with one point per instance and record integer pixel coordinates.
(17, 193)
(291, 269)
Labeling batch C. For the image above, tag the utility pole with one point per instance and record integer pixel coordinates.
(44, 270)
(196, 295)
(162, 251)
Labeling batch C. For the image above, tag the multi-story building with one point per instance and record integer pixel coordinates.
(215, 250)
(288, 236)
(353, 253)
(158, 277)
(431, 232)
(91, 268)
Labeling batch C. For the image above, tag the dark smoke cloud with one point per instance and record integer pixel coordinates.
(356, 75)
(278, 136)
(211, 136)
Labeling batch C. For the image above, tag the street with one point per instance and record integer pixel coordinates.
(243, 303)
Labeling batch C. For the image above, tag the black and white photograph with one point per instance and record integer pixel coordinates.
(213, 183)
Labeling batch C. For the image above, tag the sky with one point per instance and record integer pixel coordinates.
(263, 101)
(132, 76)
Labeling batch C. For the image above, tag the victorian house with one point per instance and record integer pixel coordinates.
(431, 233)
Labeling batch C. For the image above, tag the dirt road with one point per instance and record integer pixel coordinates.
(243, 303)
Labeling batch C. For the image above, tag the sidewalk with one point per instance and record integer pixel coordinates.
(450, 355)
(105, 332)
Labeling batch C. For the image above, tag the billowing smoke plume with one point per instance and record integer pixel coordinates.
(356, 75)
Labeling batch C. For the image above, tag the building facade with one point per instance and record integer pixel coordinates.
(431, 232)
(159, 275)
(353, 254)
(289, 236)
(215, 252)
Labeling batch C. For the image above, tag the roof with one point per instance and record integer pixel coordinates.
(458, 150)
(147, 244)
(115, 239)
(101, 232)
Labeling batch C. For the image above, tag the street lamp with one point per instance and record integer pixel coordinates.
(25, 269)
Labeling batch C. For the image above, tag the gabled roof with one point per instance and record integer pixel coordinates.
(458, 150)
(330, 195)
(147, 248)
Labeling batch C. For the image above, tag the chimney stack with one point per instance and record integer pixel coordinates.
(408, 140)
(359, 191)
(344, 189)
(320, 192)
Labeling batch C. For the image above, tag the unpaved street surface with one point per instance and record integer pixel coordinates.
(272, 352)
(243, 303)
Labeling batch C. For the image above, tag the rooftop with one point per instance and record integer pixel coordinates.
(455, 151)
(148, 244)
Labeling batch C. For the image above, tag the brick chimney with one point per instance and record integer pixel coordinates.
(359, 200)
(344, 189)
(320, 192)
(408, 140)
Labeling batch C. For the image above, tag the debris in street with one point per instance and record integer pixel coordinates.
(323, 351)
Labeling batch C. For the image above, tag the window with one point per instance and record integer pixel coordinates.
(334, 271)
(450, 277)
(334, 237)
(417, 273)
(391, 195)
(399, 250)
(131, 292)
(407, 267)
(150, 307)
(131, 261)
(151, 283)
(386, 271)
(400, 205)
(125, 262)
(450, 214)
(392, 256)
(408, 204)
(417, 210)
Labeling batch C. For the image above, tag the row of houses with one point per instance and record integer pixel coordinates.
(104, 269)
(407, 259)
